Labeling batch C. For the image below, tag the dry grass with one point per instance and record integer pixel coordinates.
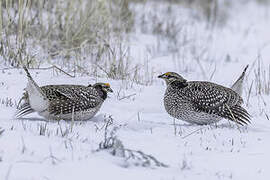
(262, 78)
(81, 36)
(92, 37)
(8, 102)
(115, 147)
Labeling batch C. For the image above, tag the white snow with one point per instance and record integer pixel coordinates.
(36, 149)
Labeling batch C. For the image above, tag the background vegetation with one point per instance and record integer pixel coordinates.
(94, 38)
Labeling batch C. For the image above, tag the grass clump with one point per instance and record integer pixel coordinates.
(77, 35)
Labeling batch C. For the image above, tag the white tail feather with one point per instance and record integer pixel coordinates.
(238, 85)
(37, 98)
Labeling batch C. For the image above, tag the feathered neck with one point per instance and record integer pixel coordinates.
(178, 84)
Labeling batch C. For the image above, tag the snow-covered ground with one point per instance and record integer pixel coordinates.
(36, 149)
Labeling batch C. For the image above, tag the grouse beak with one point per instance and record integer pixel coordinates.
(161, 76)
(109, 90)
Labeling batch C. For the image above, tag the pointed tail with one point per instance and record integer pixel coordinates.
(238, 85)
(37, 98)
